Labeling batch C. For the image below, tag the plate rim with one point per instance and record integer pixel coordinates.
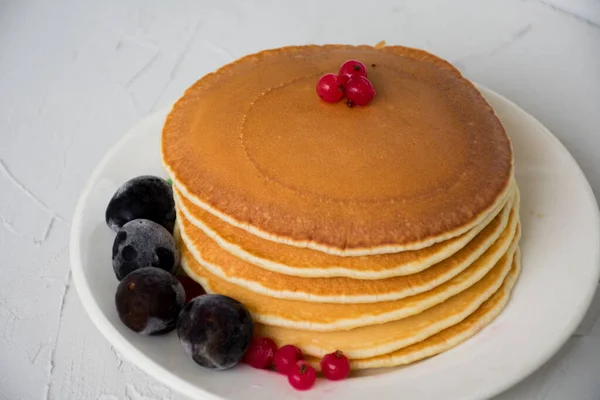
(174, 382)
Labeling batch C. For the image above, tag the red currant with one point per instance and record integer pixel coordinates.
(330, 88)
(191, 287)
(260, 353)
(286, 357)
(359, 91)
(350, 69)
(335, 366)
(302, 376)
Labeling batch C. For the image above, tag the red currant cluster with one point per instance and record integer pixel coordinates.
(289, 360)
(350, 81)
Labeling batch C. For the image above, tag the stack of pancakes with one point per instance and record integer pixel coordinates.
(389, 231)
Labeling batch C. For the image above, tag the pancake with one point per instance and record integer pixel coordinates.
(447, 338)
(335, 316)
(253, 145)
(310, 263)
(376, 340)
(482, 252)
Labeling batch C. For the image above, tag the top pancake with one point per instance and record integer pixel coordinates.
(252, 143)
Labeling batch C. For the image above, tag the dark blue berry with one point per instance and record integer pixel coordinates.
(215, 330)
(147, 197)
(149, 301)
(142, 243)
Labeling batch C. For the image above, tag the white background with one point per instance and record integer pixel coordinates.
(76, 75)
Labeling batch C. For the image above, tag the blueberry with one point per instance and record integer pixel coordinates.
(191, 287)
(149, 301)
(147, 197)
(215, 330)
(142, 243)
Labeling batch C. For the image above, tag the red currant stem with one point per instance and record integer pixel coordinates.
(356, 67)
(350, 103)
(303, 369)
(338, 354)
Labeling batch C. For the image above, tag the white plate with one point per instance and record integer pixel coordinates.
(560, 272)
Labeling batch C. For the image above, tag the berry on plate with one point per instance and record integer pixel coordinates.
(191, 287)
(359, 90)
(215, 330)
(302, 376)
(260, 353)
(350, 69)
(330, 88)
(142, 243)
(147, 197)
(335, 366)
(149, 300)
(286, 358)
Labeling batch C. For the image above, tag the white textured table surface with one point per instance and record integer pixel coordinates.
(76, 75)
